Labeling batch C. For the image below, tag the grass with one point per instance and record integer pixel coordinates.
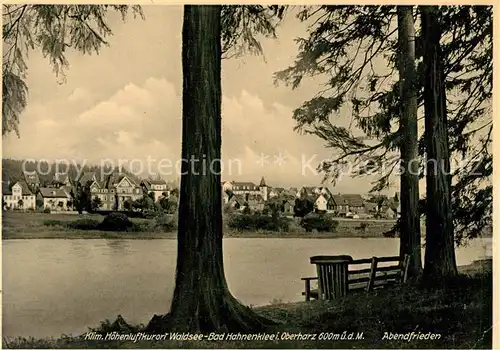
(33, 225)
(461, 313)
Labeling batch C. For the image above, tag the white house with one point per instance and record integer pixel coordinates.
(324, 203)
(19, 196)
(159, 188)
(53, 198)
(247, 188)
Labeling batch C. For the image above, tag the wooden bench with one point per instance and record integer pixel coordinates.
(337, 278)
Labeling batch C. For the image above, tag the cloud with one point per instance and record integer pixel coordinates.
(141, 122)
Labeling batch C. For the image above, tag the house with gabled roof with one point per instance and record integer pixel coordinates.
(124, 188)
(340, 204)
(18, 196)
(158, 188)
(355, 202)
(53, 198)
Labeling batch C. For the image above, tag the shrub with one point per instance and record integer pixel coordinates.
(250, 222)
(84, 224)
(362, 226)
(116, 222)
(166, 223)
(53, 223)
(321, 223)
(46, 210)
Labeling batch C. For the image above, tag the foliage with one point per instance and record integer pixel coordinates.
(362, 226)
(95, 204)
(46, 210)
(303, 206)
(319, 222)
(53, 223)
(169, 205)
(166, 223)
(81, 198)
(354, 48)
(255, 222)
(127, 205)
(52, 30)
(240, 23)
(116, 222)
(84, 224)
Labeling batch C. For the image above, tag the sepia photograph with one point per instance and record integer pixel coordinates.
(247, 176)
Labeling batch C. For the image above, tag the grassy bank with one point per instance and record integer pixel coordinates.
(460, 314)
(30, 225)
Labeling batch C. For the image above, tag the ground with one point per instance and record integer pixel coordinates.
(24, 225)
(460, 314)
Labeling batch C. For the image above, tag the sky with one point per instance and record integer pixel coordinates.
(124, 105)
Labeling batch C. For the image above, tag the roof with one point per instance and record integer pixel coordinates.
(86, 177)
(255, 199)
(47, 192)
(146, 184)
(278, 190)
(31, 177)
(239, 185)
(61, 177)
(237, 198)
(7, 188)
(115, 178)
(354, 200)
(157, 182)
(338, 199)
(262, 182)
(371, 207)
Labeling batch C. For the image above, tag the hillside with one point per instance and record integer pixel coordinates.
(12, 170)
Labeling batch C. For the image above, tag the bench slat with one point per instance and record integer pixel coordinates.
(388, 258)
(356, 272)
(360, 261)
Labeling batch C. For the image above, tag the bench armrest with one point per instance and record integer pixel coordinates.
(309, 278)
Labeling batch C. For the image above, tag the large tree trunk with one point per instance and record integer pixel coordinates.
(440, 260)
(202, 301)
(409, 196)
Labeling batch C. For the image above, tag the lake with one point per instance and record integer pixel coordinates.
(54, 287)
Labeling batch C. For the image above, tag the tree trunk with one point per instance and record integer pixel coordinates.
(202, 301)
(440, 260)
(409, 197)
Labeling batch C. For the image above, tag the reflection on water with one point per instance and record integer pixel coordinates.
(63, 286)
(117, 246)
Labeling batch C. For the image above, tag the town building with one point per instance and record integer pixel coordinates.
(247, 188)
(158, 188)
(53, 198)
(18, 196)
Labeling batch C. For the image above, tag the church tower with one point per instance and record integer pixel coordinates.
(263, 188)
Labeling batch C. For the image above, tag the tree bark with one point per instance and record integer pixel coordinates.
(202, 301)
(409, 196)
(440, 262)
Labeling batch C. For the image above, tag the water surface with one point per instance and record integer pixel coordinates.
(51, 287)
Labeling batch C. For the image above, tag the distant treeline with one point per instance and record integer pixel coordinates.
(12, 170)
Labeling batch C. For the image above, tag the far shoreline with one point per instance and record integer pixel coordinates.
(83, 234)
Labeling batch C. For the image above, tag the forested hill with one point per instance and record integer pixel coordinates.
(12, 170)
